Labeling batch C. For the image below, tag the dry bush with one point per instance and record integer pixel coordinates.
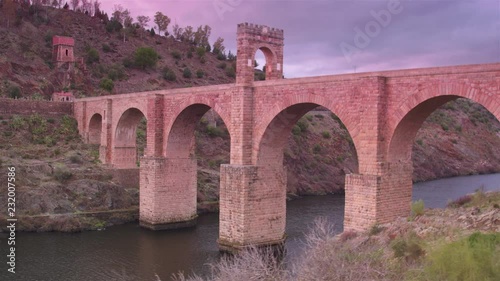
(326, 259)
(250, 264)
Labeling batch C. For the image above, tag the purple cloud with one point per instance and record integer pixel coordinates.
(424, 34)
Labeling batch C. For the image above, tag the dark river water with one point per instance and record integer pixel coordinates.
(128, 252)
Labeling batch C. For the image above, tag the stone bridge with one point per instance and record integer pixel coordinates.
(381, 110)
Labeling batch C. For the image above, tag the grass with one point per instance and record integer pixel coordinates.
(475, 257)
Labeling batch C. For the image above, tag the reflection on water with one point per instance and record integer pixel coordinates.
(128, 252)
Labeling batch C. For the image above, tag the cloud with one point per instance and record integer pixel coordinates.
(424, 34)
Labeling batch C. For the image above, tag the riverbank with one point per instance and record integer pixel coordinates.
(461, 242)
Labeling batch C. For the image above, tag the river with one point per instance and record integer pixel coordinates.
(128, 252)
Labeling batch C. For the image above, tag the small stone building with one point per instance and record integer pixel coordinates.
(62, 49)
(63, 96)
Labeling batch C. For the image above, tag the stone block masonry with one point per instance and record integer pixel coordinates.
(9, 107)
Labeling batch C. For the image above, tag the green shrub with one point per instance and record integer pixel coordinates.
(215, 131)
(145, 57)
(326, 134)
(186, 73)
(37, 126)
(420, 142)
(309, 117)
(92, 56)
(14, 92)
(106, 48)
(375, 229)
(94, 153)
(410, 247)
(116, 72)
(113, 25)
(75, 159)
(221, 56)
(222, 65)
(168, 74)
(176, 55)
(296, 130)
(200, 73)
(473, 258)
(128, 62)
(62, 173)
(49, 141)
(68, 127)
(17, 123)
(303, 125)
(316, 149)
(189, 54)
(106, 84)
(417, 208)
(200, 51)
(230, 72)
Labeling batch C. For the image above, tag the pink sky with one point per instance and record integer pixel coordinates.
(418, 34)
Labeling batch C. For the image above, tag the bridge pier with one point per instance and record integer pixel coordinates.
(167, 193)
(372, 199)
(252, 206)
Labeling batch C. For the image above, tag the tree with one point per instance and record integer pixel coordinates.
(188, 34)
(92, 56)
(86, 7)
(201, 36)
(122, 16)
(143, 21)
(162, 21)
(9, 8)
(75, 4)
(97, 9)
(177, 31)
(219, 46)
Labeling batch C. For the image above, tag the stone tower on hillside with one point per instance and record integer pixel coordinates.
(62, 50)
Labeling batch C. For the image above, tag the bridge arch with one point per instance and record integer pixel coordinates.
(180, 136)
(414, 110)
(289, 111)
(125, 136)
(95, 129)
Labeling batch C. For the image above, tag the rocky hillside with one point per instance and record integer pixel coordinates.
(26, 57)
